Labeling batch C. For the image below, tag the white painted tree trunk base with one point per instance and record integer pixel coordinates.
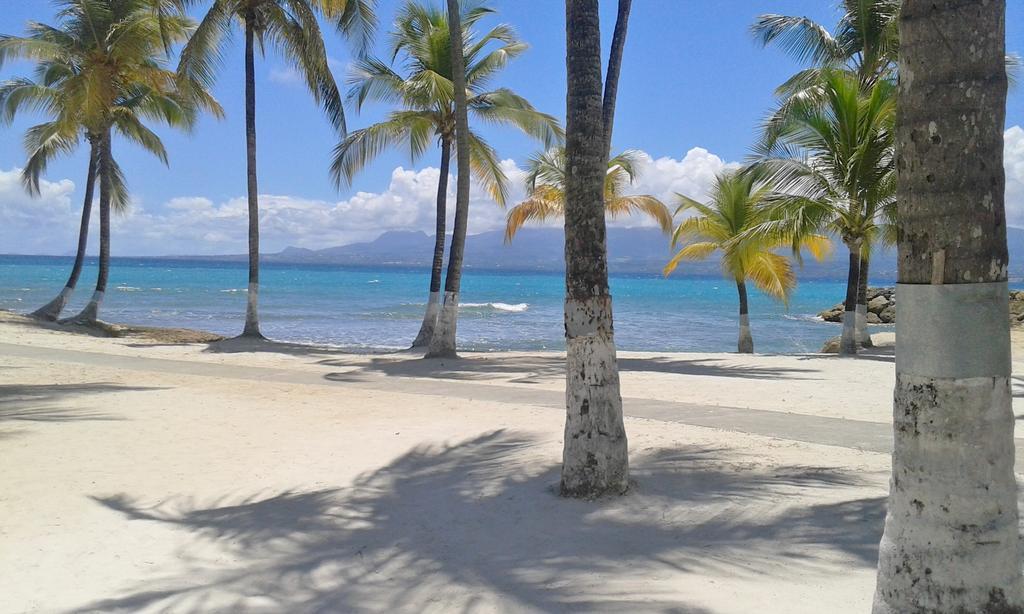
(861, 328)
(50, 312)
(429, 321)
(951, 537)
(848, 342)
(745, 345)
(595, 456)
(252, 314)
(442, 344)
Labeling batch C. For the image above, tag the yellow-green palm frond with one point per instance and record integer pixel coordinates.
(641, 204)
(546, 202)
(693, 251)
(771, 273)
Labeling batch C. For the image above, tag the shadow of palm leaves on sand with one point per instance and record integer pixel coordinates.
(476, 525)
(49, 402)
(529, 369)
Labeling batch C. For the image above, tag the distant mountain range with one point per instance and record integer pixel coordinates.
(630, 251)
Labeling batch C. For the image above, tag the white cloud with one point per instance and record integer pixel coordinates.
(198, 225)
(46, 224)
(1013, 161)
(285, 75)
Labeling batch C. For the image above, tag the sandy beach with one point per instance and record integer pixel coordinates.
(144, 476)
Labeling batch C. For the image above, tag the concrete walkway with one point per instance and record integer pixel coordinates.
(854, 434)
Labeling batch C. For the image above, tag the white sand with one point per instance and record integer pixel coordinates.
(139, 477)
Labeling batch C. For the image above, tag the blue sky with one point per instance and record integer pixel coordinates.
(693, 77)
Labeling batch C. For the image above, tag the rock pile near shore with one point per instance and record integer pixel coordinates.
(882, 307)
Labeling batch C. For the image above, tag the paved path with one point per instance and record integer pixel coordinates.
(856, 434)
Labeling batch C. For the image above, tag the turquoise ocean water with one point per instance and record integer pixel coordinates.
(381, 308)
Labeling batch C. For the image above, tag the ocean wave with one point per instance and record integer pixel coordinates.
(128, 289)
(234, 290)
(517, 308)
(373, 281)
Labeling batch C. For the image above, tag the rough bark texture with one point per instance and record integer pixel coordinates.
(611, 82)
(848, 342)
(745, 345)
(594, 459)
(252, 318)
(51, 311)
(951, 538)
(105, 159)
(443, 342)
(433, 305)
(861, 332)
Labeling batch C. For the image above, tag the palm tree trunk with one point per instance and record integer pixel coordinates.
(848, 342)
(252, 318)
(611, 82)
(746, 341)
(51, 311)
(442, 344)
(434, 302)
(594, 457)
(951, 532)
(861, 332)
(90, 314)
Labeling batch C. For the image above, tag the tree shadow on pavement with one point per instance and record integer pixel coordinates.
(477, 526)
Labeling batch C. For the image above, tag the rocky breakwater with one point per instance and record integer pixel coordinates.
(881, 307)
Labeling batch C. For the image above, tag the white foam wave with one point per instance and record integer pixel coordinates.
(128, 289)
(234, 290)
(517, 308)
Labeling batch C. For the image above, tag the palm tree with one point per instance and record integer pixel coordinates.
(292, 26)
(442, 344)
(421, 37)
(951, 538)
(545, 190)
(738, 204)
(595, 453)
(101, 71)
(833, 163)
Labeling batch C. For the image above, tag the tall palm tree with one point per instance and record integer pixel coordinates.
(833, 163)
(100, 71)
(442, 344)
(421, 38)
(292, 26)
(545, 192)
(595, 450)
(736, 205)
(951, 538)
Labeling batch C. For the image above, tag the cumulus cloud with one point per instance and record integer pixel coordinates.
(1013, 160)
(43, 225)
(198, 225)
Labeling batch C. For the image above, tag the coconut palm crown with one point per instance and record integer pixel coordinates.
(545, 186)
(420, 39)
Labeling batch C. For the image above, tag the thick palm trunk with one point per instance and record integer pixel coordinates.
(746, 341)
(442, 344)
(861, 332)
(51, 311)
(90, 314)
(252, 317)
(848, 342)
(951, 539)
(434, 302)
(594, 458)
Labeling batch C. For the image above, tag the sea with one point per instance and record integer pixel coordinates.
(377, 309)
